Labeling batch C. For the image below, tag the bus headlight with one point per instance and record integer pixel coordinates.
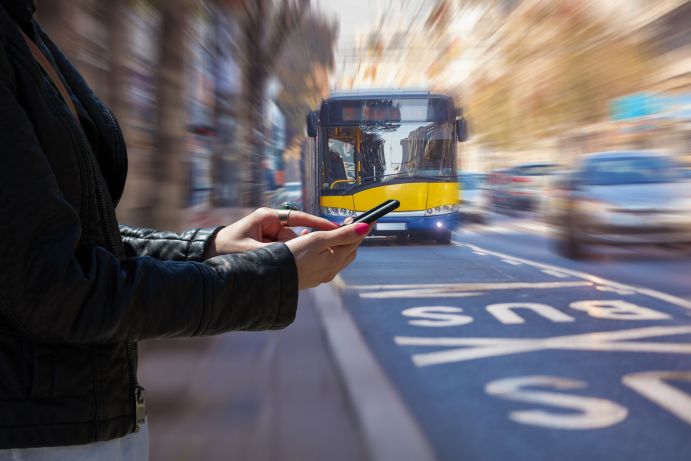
(442, 209)
(332, 211)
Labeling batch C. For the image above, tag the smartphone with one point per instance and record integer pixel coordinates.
(377, 212)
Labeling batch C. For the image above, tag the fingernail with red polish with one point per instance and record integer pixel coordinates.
(361, 228)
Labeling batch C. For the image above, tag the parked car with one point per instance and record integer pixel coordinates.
(497, 189)
(528, 185)
(623, 198)
(472, 197)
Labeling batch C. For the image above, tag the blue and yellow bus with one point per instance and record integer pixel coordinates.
(366, 147)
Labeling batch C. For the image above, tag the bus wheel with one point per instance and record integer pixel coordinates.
(444, 239)
(401, 238)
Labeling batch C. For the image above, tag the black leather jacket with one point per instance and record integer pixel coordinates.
(76, 291)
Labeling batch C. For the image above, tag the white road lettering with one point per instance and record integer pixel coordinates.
(590, 412)
(504, 312)
(437, 316)
(613, 341)
(654, 386)
(617, 310)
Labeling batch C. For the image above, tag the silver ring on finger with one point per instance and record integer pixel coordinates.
(283, 216)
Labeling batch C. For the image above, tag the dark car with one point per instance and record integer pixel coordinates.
(528, 185)
(497, 187)
(472, 197)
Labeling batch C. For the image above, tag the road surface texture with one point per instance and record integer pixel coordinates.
(503, 350)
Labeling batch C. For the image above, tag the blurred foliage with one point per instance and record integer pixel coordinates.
(303, 70)
(561, 67)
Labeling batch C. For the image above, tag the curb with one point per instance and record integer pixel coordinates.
(389, 430)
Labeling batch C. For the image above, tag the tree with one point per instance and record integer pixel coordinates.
(303, 70)
(265, 26)
(169, 172)
(561, 65)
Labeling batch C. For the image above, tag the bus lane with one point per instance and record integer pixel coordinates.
(503, 358)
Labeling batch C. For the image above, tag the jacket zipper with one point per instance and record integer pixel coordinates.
(138, 390)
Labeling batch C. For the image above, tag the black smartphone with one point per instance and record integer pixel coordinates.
(377, 212)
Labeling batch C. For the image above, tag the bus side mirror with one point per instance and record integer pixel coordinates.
(312, 120)
(462, 129)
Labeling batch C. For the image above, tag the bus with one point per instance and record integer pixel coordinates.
(367, 147)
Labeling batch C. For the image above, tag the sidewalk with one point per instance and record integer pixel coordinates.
(311, 392)
(255, 396)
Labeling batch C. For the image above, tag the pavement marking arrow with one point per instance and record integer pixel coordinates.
(613, 341)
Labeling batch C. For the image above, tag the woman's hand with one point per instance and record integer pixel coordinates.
(260, 228)
(319, 256)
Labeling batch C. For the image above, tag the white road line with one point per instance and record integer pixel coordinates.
(480, 253)
(481, 286)
(557, 274)
(612, 341)
(501, 230)
(513, 262)
(389, 430)
(675, 300)
(535, 227)
(418, 293)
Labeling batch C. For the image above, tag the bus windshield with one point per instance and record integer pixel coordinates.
(384, 151)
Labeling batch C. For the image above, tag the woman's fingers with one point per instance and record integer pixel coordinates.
(319, 256)
(302, 219)
(345, 235)
(285, 234)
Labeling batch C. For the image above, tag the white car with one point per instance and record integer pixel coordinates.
(624, 198)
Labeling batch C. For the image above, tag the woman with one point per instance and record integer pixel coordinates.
(77, 290)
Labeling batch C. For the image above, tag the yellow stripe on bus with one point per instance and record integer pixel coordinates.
(442, 193)
(413, 196)
(336, 201)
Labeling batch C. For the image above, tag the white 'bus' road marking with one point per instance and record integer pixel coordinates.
(671, 299)
(653, 385)
(452, 290)
(613, 341)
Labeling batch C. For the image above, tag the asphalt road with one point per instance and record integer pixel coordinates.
(504, 351)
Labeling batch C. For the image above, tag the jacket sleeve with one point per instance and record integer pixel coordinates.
(49, 294)
(191, 245)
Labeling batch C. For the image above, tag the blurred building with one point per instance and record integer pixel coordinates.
(117, 46)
